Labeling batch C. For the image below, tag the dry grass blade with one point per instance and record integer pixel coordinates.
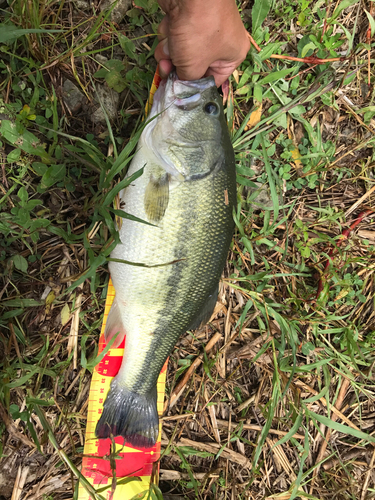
(252, 427)
(175, 475)
(212, 413)
(214, 448)
(360, 201)
(19, 483)
(73, 335)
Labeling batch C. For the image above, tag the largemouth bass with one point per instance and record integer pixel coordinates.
(187, 191)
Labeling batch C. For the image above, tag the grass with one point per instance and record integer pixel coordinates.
(278, 393)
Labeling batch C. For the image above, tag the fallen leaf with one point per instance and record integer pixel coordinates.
(65, 314)
(296, 155)
(254, 117)
(342, 294)
(49, 300)
(225, 90)
(236, 75)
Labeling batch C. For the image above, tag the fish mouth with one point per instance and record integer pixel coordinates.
(188, 86)
(182, 87)
(185, 94)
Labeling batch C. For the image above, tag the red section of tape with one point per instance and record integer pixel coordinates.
(109, 365)
(137, 463)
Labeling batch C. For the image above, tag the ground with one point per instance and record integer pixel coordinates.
(278, 388)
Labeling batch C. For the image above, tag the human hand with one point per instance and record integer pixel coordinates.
(201, 38)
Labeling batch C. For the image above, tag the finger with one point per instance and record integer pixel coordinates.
(219, 76)
(165, 67)
(163, 28)
(162, 50)
(190, 72)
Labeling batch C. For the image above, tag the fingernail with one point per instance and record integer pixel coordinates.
(165, 46)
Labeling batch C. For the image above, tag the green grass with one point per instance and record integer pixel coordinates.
(311, 372)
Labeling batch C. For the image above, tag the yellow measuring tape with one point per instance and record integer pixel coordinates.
(97, 465)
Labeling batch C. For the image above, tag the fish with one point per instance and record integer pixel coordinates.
(186, 194)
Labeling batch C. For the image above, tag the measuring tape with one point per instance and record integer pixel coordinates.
(129, 462)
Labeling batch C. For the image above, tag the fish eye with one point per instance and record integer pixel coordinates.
(211, 108)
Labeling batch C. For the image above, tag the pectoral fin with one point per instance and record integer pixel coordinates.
(156, 198)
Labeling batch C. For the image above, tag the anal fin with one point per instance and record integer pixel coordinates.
(114, 325)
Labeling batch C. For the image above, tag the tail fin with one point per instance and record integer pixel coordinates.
(131, 415)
